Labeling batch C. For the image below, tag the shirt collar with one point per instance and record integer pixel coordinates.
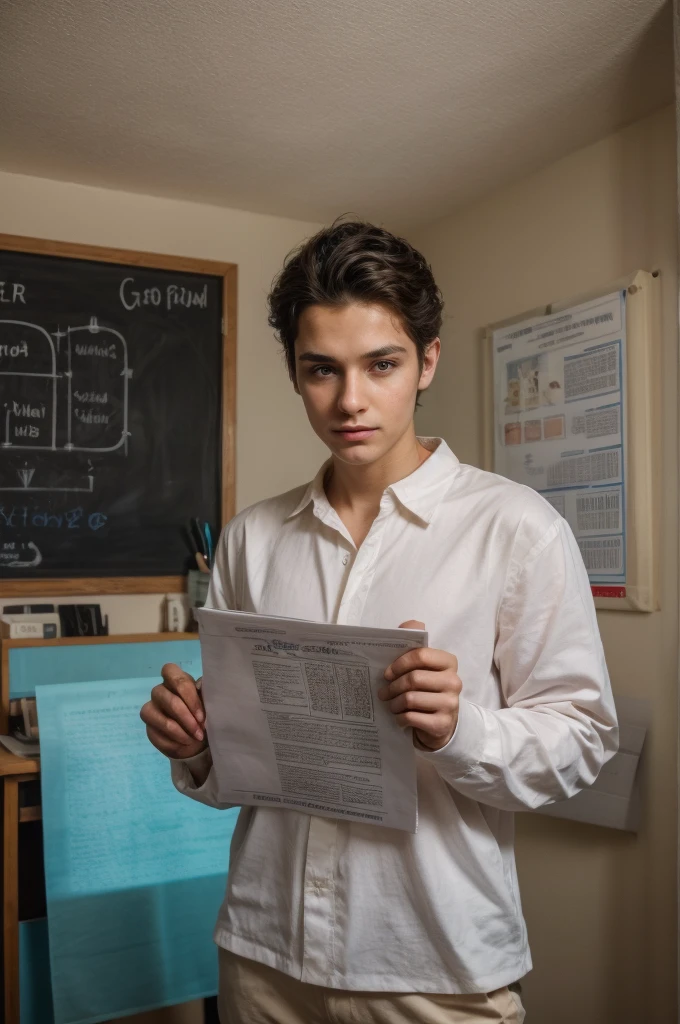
(420, 492)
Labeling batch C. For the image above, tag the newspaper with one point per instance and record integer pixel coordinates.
(559, 422)
(294, 721)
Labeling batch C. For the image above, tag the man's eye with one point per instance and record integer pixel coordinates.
(322, 371)
(383, 365)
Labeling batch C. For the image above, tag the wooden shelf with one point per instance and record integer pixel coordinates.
(113, 638)
(13, 764)
(96, 585)
(30, 813)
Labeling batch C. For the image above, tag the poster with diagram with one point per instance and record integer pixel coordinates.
(560, 422)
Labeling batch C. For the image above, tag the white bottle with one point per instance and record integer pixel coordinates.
(175, 613)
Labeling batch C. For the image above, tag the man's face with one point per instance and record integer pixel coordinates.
(358, 376)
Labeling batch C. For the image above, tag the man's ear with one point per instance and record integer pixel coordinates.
(430, 360)
(292, 370)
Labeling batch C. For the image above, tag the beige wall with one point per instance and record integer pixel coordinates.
(267, 407)
(601, 905)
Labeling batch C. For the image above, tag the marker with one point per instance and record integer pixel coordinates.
(208, 539)
(199, 537)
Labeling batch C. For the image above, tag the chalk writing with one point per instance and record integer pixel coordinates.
(104, 351)
(12, 292)
(22, 517)
(175, 295)
(14, 351)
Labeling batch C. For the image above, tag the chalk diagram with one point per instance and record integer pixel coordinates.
(65, 392)
(20, 556)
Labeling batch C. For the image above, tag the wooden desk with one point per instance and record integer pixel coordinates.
(14, 772)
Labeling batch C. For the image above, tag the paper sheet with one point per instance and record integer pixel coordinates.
(560, 421)
(294, 720)
(614, 798)
(35, 991)
(22, 748)
(134, 871)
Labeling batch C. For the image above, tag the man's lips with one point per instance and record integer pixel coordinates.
(355, 433)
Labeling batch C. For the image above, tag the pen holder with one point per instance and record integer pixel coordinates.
(197, 587)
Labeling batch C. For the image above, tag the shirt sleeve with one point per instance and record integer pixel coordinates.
(183, 780)
(558, 725)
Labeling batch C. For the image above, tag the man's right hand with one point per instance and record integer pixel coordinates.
(175, 716)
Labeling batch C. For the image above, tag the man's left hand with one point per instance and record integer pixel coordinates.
(422, 690)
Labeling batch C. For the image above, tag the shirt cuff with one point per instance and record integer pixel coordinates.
(180, 769)
(464, 750)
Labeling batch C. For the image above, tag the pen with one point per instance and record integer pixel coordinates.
(199, 537)
(208, 539)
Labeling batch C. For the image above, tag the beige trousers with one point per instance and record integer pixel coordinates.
(251, 993)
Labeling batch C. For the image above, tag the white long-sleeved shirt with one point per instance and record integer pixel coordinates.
(496, 576)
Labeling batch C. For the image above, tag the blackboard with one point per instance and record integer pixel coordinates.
(112, 418)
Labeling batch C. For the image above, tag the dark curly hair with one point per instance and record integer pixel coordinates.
(352, 261)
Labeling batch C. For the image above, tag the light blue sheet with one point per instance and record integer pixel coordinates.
(35, 993)
(74, 663)
(134, 872)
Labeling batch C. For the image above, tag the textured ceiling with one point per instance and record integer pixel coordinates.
(399, 110)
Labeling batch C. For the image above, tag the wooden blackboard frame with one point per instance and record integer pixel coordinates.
(154, 261)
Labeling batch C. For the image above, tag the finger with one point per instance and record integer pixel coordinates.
(412, 624)
(186, 687)
(418, 700)
(162, 743)
(172, 671)
(409, 624)
(174, 707)
(421, 679)
(421, 657)
(152, 714)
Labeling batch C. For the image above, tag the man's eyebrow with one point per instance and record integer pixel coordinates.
(378, 353)
(386, 350)
(316, 357)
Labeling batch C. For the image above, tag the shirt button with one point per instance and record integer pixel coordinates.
(345, 560)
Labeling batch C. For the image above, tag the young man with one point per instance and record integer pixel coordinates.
(510, 707)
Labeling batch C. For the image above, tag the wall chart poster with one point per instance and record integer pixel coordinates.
(559, 384)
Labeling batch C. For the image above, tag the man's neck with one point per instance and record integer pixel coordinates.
(355, 491)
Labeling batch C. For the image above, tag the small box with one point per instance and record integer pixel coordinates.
(30, 627)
